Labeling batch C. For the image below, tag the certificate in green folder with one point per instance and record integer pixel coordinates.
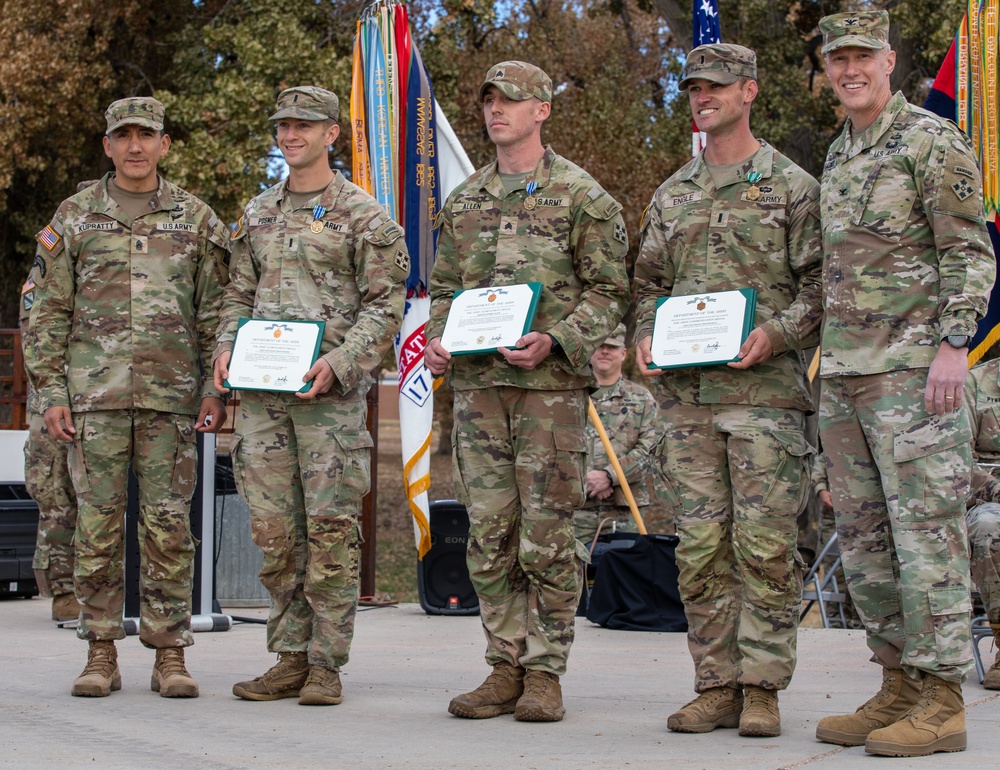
(482, 320)
(702, 329)
(274, 355)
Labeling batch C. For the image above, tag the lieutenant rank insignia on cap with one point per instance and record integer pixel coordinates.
(48, 237)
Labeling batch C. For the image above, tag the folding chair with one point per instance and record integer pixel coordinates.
(826, 588)
(980, 630)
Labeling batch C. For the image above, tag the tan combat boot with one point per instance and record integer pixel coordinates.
(936, 723)
(992, 679)
(170, 676)
(717, 707)
(283, 680)
(65, 607)
(322, 688)
(760, 717)
(101, 674)
(542, 699)
(898, 695)
(497, 695)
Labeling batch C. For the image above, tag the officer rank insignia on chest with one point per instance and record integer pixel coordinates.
(620, 234)
(962, 189)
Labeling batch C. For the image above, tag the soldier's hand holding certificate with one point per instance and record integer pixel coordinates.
(701, 329)
(274, 355)
(482, 320)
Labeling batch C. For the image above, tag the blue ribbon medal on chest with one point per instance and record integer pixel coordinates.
(317, 225)
(530, 202)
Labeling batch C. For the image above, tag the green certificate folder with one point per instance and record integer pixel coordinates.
(482, 320)
(274, 355)
(702, 329)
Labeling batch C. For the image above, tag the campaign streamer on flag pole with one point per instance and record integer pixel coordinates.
(967, 91)
(705, 15)
(407, 156)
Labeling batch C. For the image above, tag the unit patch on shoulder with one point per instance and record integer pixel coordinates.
(402, 260)
(620, 235)
(962, 189)
(28, 298)
(40, 264)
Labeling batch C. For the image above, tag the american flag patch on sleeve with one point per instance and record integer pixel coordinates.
(48, 237)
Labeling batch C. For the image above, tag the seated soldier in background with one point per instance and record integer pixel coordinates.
(628, 412)
(982, 398)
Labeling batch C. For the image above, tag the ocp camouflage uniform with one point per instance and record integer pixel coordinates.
(519, 441)
(629, 414)
(123, 321)
(735, 448)
(982, 399)
(303, 466)
(47, 479)
(907, 263)
(827, 527)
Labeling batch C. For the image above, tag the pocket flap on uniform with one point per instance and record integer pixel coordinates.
(569, 439)
(350, 441)
(949, 601)
(929, 435)
(793, 442)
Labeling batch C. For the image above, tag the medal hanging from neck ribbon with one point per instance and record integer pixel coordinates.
(317, 224)
(530, 202)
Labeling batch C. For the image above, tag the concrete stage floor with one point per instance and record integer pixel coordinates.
(405, 667)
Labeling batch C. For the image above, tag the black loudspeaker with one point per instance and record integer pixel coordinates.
(18, 531)
(442, 575)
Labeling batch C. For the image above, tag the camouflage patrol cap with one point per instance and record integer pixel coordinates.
(719, 63)
(307, 103)
(135, 110)
(867, 29)
(617, 338)
(519, 81)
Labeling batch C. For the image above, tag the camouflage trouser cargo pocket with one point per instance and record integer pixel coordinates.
(933, 457)
(792, 472)
(185, 473)
(950, 608)
(565, 488)
(78, 457)
(355, 476)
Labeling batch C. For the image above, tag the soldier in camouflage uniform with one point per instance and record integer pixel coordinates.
(47, 478)
(629, 414)
(907, 271)
(982, 399)
(312, 248)
(129, 278)
(739, 215)
(519, 441)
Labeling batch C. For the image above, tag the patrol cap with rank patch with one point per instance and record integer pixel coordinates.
(867, 29)
(518, 80)
(617, 338)
(307, 103)
(719, 63)
(135, 110)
